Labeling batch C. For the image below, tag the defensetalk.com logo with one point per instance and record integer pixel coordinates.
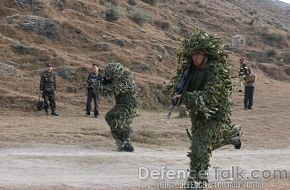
(234, 173)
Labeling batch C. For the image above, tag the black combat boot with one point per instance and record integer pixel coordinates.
(128, 147)
(236, 142)
(54, 113)
(46, 111)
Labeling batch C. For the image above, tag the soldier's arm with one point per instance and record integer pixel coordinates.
(41, 85)
(54, 84)
(207, 101)
(88, 79)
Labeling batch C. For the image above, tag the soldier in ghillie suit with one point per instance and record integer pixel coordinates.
(118, 82)
(203, 84)
(47, 89)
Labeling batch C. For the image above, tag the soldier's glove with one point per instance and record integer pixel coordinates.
(194, 101)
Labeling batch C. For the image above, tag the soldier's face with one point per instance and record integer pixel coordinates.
(50, 69)
(198, 58)
(95, 69)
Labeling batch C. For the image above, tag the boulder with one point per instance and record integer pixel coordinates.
(13, 63)
(59, 4)
(20, 48)
(118, 42)
(101, 47)
(36, 6)
(66, 73)
(8, 69)
(40, 25)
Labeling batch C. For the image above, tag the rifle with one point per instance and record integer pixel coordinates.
(181, 88)
(174, 102)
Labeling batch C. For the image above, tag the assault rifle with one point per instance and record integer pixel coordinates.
(181, 89)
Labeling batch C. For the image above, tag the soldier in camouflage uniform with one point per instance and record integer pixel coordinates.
(203, 84)
(118, 82)
(47, 89)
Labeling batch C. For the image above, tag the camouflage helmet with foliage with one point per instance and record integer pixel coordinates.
(201, 41)
(121, 78)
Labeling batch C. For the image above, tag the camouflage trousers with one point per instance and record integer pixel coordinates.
(206, 136)
(119, 119)
(49, 97)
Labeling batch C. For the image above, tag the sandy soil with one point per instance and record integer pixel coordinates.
(77, 152)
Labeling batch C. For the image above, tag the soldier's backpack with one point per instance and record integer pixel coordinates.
(40, 103)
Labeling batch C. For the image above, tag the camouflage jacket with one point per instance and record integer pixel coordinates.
(47, 82)
(250, 79)
(208, 90)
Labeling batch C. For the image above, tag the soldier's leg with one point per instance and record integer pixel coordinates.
(227, 135)
(88, 103)
(246, 98)
(96, 103)
(126, 132)
(119, 123)
(201, 147)
(45, 100)
(51, 99)
(241, 84)
(112, 121)
(251, 94)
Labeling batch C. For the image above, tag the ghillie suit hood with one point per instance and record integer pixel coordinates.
(203, 42)
(118, 80)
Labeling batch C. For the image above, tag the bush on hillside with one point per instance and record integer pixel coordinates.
(150, 2)
(113, 14)
(132, 2)
(271, 53)
(140, 17)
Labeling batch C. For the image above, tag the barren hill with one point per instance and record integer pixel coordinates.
(143, 35)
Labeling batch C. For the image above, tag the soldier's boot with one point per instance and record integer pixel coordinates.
(46, 111)
(54, 113)
(236, 141)
(128, 147)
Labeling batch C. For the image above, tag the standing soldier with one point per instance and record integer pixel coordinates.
(250, 80)
(242, 73)
(92, 94)
(47, 89)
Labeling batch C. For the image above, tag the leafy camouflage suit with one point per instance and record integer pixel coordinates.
(119, 83)
(48, 87)
(208, 100)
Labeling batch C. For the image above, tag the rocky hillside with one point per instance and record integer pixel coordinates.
(142, 34)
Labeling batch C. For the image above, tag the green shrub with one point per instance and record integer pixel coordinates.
(132, 2)
(286, 57)
(107, 2)
(274, 37)
(164, 25)
(194, 9)
(140, 17)
(113, 14)
(271, 53)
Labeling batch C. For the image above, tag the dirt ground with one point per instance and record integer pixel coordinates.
(77, 152)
